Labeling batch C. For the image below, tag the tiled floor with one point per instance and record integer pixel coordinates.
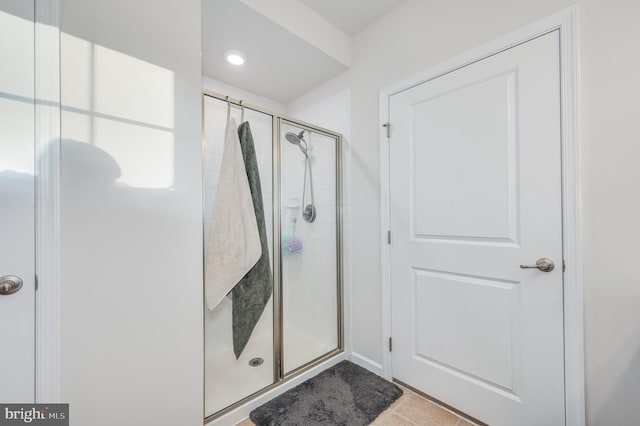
(413, 410)
(410, 410)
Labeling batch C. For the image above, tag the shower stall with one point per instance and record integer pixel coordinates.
(302, 324)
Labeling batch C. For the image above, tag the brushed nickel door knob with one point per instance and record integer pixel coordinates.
(10, 284)
(543, 264)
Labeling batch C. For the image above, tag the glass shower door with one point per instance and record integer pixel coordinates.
(229, 379)
(301, 325)
(310, 250)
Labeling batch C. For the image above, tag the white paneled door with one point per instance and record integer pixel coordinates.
(475, 190)
(17, 198)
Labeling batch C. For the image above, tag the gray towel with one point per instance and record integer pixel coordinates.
(251, 294)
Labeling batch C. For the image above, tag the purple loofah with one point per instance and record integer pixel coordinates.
(293, 245)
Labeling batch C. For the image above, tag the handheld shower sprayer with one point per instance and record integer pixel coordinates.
(308, 210)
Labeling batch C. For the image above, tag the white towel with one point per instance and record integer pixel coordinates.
(234, 242)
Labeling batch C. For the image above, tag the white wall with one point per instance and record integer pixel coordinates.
(131, 212)
(420, 34)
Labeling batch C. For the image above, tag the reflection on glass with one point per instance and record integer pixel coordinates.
(16, 88)
(17, 196)
(140, 133)
(309, 267)
(227, 379)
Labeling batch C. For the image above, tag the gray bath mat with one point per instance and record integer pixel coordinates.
(345, 394)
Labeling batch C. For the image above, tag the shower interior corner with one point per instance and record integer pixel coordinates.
(302, 320)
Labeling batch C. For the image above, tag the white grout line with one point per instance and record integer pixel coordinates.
(403, 417)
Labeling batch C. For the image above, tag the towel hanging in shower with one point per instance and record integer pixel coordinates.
(251, 294)
(234, 244)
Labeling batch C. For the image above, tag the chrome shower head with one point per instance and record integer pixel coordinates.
(309, 210)
(293, 138)
(297, 140)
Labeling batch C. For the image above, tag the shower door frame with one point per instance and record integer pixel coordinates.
(279, 375)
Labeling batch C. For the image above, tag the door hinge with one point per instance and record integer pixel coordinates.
(390, 344)
(389, 237)
(387, 125)
(564, 266)
(36, 282)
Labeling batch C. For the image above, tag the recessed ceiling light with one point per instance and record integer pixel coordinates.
(234, 57)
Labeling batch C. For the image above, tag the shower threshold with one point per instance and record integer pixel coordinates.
(278, 384)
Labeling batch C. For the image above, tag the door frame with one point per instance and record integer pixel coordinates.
(567, 22)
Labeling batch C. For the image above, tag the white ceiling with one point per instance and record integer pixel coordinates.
(282, 62)
(279, 65)
(351, 16)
